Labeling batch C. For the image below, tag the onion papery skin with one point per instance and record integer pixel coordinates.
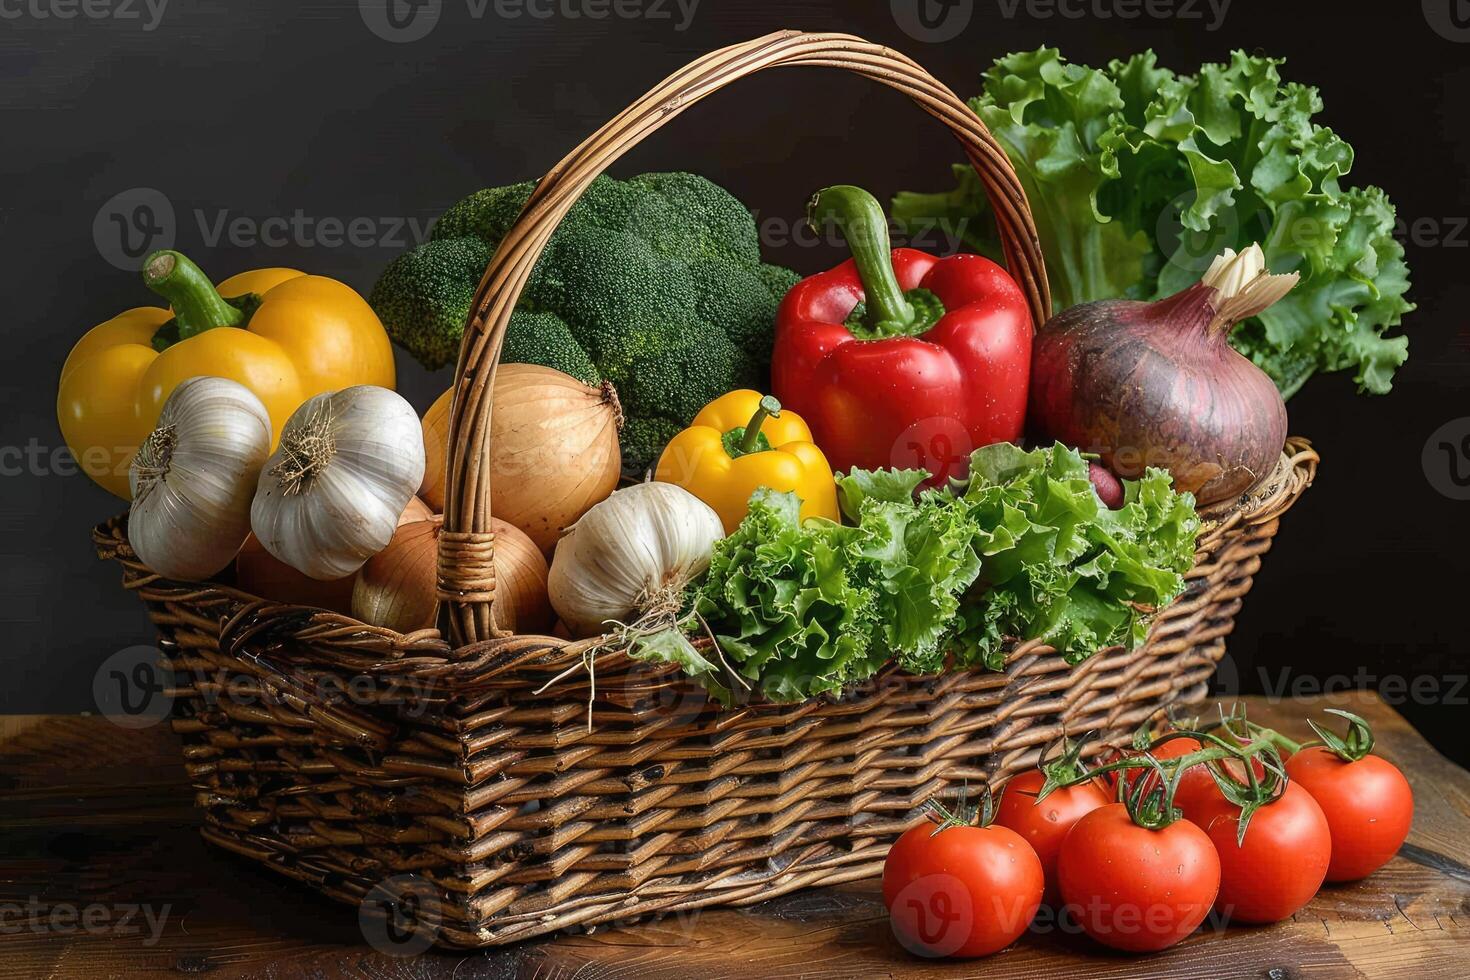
(554, 449)
(521, 604)
(1152, 384)
(397, 588)
(265, 576)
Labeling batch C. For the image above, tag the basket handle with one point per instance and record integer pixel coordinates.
(466, 568)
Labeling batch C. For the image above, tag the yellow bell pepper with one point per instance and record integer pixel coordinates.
(740, 442)
(285, 335)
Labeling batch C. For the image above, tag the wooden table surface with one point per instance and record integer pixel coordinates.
(102, 873)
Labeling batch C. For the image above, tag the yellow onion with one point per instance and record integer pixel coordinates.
(553, 449)
(262, 574)
(397, 587)
(521, 605)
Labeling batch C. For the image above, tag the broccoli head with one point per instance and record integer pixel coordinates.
(653, 283)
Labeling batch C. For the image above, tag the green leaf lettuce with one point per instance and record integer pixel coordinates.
(1138, 177)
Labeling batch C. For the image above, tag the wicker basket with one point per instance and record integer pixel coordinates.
(346, 755)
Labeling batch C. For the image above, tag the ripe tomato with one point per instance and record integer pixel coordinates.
(1280, 864)
(960, 891)
(1133, 888)
(1368, 804)
(1045, 824)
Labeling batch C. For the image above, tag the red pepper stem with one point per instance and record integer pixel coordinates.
(860, 218)
(197, 305)
(768, 408)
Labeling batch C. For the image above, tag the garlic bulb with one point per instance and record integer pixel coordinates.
(193, 477)
(630, 556)
(330, 495)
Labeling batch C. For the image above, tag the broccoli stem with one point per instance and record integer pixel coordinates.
(197, 305)
(860, 218)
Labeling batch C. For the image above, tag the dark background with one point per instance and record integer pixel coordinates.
(226, 111)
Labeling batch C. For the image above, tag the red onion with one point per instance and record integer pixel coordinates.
(1109, 490)
(1158, 384)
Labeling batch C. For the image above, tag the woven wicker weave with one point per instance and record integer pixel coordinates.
(343, 755)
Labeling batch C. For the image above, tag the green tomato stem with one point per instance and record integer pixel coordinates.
(1153, 806)
(1357, 743)
(197, 305)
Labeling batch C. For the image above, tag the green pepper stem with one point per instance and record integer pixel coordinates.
(768, 408)
(197, 305)
(860, 218)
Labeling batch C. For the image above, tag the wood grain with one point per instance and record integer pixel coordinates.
(96, 821)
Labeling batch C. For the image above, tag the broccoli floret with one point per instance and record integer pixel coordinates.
(653, 283)
(545, 339)
(423, 291)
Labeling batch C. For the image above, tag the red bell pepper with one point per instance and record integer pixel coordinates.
(902, 358)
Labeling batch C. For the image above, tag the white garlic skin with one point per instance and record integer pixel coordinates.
(641, 541)
(193, 478)
(329, 497)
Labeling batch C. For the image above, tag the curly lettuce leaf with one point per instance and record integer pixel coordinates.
(919, 559)
(1027, 550)
(673, 646)
(1061, 567)
(892, 486)
(1139, 176)
(784, 605)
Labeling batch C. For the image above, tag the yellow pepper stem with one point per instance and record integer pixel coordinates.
(197, 305)
(743, 442)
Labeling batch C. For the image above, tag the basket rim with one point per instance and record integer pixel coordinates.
(250, 625)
